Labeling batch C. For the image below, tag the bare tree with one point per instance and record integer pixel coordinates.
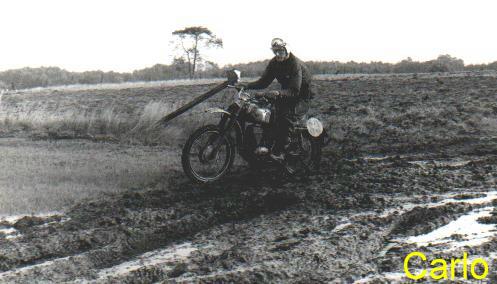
(191, 40)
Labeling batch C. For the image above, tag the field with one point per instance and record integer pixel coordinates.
(92, 191)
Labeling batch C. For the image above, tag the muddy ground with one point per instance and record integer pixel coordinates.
(428, 185)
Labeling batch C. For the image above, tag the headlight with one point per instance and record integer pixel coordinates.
(314, 126)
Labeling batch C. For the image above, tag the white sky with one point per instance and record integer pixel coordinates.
(123, 35)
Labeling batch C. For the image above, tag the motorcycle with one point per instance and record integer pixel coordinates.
(209, 152)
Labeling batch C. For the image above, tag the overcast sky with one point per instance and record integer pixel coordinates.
(123, 35)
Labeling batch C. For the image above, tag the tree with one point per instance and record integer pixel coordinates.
(180, 67)
(446, 63)
(191, 40)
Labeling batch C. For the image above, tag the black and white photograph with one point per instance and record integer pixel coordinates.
(255, 141)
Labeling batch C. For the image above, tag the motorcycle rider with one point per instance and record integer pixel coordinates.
(295, 81)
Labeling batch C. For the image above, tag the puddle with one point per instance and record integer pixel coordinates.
(341, 227)
(421, 163)
(18, 271)
(14, 218)
(464, 231)
(379, 157)
(395, 277)
(450, 198)
(157, 257)
(441, 163)
(9, 233)
(376, 157)
(489, 196)
(7, 223)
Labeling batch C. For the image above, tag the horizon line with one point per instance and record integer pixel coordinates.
(240, 63)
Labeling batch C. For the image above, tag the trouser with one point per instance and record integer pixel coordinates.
(283, 129)
(280, 128)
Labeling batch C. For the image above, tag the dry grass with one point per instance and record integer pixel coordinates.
(125, 85)
(48, 174)
(126, 115)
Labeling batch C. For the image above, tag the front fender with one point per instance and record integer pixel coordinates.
(226, 115)
(217, 110)
(326, 138)
(316, 129)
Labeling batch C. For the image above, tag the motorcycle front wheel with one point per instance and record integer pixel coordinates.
(308, 155)
(206, 158)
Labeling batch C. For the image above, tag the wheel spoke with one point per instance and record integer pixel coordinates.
(205, 168)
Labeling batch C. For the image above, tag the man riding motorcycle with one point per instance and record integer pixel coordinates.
(295, 81)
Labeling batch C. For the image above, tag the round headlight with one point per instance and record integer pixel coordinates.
(314, 126)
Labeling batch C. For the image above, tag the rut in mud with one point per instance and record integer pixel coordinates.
(252, 227)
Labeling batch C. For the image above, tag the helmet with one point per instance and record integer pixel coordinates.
(278, 43)
(279, 48)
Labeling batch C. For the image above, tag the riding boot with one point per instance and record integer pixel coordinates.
(263, 146)
(282, 139)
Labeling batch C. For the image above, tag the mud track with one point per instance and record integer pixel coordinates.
(336, 226)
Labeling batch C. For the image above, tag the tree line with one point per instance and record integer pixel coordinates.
(181, 69)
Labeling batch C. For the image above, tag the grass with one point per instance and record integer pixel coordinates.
(125, 85)
(54, 170)
(125, 115)
(43, 176)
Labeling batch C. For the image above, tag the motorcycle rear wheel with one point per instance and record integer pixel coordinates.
(202, 161)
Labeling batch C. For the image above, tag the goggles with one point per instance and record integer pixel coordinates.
(279, 51)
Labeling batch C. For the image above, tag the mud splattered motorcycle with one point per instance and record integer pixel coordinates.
(210, 151)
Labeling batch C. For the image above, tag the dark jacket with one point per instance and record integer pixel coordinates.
(293, 76)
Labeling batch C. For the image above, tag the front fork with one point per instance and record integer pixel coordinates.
(225, 125)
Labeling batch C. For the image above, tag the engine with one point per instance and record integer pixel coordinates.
(257, 113)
